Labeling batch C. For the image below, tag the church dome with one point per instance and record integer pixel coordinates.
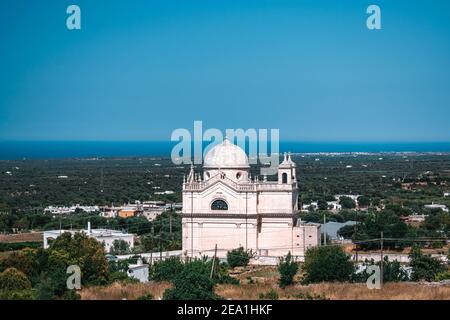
(226, 155)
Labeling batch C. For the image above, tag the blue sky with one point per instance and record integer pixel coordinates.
(140, 69)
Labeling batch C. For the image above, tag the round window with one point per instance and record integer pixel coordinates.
(238, 175)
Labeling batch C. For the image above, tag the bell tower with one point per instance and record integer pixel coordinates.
(286, 170)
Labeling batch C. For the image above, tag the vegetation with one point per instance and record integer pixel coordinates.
(166, 270)
(192, 283)
(287, 268)
(120, 247)
(238, 257)
(392, 271)
(46, 269)
(328, 263)
(424, 267)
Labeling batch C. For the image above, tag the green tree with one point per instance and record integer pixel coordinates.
(364, 201)
(287, 268)
(120, 247)
(14, 280)
(166, 270)
(322, 204)
(347, 202)
(193, 283)
(83, 251)
(424, 266)
(238, 257)
(328, 263)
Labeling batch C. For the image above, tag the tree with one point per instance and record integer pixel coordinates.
(166, 270)
(14, 280)
(83, 251)
(25, 260)
(322, 204)
(287, 268)
(347, 202)
(120, 247)
(363, 201)
(328, 263)
(424, 266)
(238, 257)
(192, 283)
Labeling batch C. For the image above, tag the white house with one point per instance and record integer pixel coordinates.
(104, 236)
(443, 207)
(138, 271)
(225, 207)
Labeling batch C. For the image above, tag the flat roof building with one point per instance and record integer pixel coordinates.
(104, 236)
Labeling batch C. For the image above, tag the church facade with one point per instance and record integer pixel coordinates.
(225, 207)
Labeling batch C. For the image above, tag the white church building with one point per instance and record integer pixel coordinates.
(225, 207)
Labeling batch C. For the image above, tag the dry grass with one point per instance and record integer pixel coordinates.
(261, 280)
(22, 237)
(338, 291)
(120, 291)
(257, 280)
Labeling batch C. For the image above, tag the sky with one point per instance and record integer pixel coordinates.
(137, 70)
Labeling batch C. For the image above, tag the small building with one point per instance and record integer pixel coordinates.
(433, 205)
(104, 236)
(127, 212)
(138, 271)
(414, 219)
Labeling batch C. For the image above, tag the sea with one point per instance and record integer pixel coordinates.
(15, 150)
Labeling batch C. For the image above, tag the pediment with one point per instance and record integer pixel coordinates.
(218, 188)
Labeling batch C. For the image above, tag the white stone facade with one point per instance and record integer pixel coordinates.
(229, 209)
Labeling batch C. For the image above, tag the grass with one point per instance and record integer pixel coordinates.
(22, 237)
(123, 291)
(338, 291)
(257, 282)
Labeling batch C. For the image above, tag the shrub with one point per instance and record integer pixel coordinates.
(287, 268)
(71, 295)
(238, 257)
(392, 271)
(147, 296)
(424, 267)
(329, 263)
(192, 283)
(120, 247)
(28, 294)
(166, 270)
(443, 276)
(270, 295)
(13, 280)
(309, 296)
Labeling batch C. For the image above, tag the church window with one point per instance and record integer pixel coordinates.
(219, 205)
(284, 178)
(238, 175)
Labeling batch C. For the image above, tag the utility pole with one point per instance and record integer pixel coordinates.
(160, 243)
(246, 222)
(382, 258)
(192, 224)
(213, 262)
(170, 221)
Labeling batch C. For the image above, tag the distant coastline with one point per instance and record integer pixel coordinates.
(16, 150)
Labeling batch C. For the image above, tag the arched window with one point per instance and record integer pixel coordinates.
(219, 205)
(284, 178)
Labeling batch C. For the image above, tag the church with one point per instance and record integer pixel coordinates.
(225, 208)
